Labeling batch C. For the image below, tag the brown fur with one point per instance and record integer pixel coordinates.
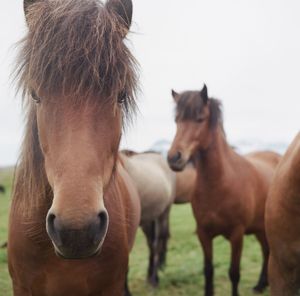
(74, 62)
(230, 193)
(283, 224)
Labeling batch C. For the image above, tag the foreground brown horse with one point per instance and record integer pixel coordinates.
(283, 224)
(72, 198)
(231, 190)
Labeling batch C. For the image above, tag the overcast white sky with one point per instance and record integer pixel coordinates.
(246, 51)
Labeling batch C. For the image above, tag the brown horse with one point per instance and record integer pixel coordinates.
(283, 224)
(230, 190)
(72, 198)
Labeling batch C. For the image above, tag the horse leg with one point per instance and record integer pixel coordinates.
(263, 279)
(150, 230)
(164, 235)
(153, 277)
(126, 290)
(236, 242)
(206, 243)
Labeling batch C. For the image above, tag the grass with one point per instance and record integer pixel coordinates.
(6, 180)
(183, 273)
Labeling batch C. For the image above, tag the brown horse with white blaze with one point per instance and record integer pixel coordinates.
(283, 224)
(72, 198)
(230, 191)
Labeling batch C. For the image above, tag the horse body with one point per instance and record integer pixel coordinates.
(222, 189)
(230, 191)
(155, 183)
(282, 224)
(158, 187)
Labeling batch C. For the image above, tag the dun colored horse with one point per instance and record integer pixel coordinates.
(283, 224)
(75, 210)
(230, 190)
(158, 187)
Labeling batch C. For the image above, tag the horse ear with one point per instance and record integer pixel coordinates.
(204, 94)
(123, 9)
(26, 5)
(175, 96)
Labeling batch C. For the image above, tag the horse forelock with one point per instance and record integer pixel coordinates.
(76, 47)
(190, 105)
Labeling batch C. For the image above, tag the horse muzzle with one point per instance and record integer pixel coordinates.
(176, 162)
(74, 243)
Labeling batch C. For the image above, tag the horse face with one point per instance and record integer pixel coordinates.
(193, 127)
(76, 84)
(79, 145)
(190, 137)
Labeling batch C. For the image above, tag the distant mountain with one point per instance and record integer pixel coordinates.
(245, 146)
(242, 146)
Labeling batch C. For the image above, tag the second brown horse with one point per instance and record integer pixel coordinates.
(231, 189)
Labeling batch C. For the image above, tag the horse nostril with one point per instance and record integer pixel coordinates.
(178, 156)
(174, 158)
(103, 224)
(51, 218)
(50, 222)
(52, 228)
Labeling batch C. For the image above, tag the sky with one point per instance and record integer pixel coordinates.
(246, 51)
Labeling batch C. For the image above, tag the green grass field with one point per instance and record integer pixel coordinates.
(183, 273)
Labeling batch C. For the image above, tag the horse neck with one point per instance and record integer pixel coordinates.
(288, 175)
(211, 163)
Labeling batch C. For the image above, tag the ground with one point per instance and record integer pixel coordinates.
(183, 273)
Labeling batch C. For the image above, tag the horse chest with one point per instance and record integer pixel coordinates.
(42, 273)
(85, 278)
(211, 222)
(218, 213)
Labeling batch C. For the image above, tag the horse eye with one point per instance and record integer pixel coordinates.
(122, 97)
(200, 119)
(35, 97)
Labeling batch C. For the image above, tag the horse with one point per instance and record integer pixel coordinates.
(230, 191)
(75, 210)
(282, 221)
(158, 187)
